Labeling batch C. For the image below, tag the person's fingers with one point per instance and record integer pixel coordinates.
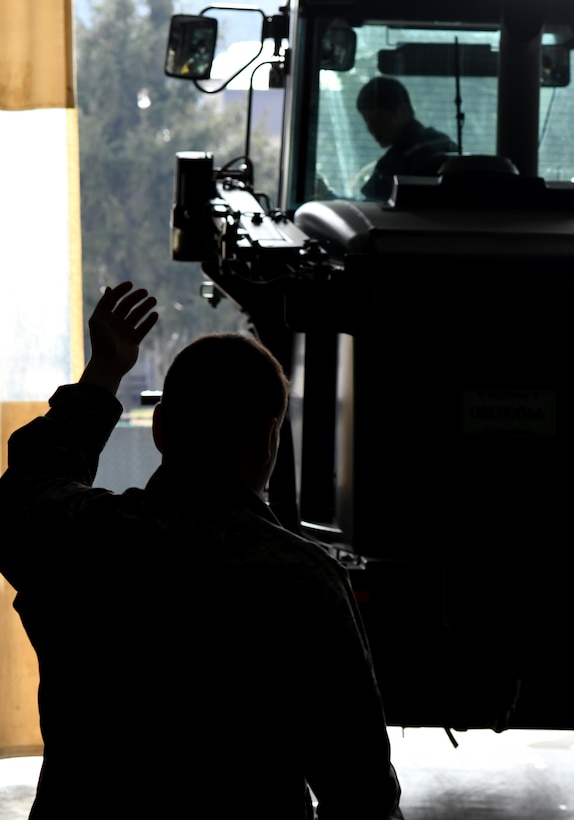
(111, 296)
(139, 311)
(132, 306)
(120, 290)
(144, 328)
(125, 305)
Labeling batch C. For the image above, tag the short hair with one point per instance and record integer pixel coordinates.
(382, 92)
(218, 391)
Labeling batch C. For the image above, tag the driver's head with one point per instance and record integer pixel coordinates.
(385, 105)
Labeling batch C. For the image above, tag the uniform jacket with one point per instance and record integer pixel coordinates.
(418, 151)
(196, 659)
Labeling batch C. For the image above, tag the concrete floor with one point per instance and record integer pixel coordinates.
(518, 775)
(18, 778)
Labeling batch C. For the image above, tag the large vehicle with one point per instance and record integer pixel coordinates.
(428, 336)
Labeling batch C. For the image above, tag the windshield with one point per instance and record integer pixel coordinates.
(451, 80)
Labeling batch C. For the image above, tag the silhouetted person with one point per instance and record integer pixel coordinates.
(412, 148)
(197, 660)
(198, 63)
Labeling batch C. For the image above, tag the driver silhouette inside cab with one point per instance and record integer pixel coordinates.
(413, 149)
(198, 62)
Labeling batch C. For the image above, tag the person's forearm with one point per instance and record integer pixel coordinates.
(100, 374)
(48, 459)
(69, 438)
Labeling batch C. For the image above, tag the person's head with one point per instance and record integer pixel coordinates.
(385, 105)
(223, 403)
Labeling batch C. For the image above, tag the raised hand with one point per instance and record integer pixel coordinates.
(121, 319)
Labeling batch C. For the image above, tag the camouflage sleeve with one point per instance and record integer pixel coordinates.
(68, 440)
(52, 462)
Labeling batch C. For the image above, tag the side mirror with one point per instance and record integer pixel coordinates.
(190, 46)
(555, 66)
(338, 47)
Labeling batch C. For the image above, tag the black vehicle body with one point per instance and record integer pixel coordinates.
(429, 340)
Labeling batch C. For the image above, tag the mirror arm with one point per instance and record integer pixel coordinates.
(250, 103)
(233, 76)
(229, 7)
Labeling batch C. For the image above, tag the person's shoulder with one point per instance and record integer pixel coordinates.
(433, 134)
(426, 150)
(285, 568)
(268, 541)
